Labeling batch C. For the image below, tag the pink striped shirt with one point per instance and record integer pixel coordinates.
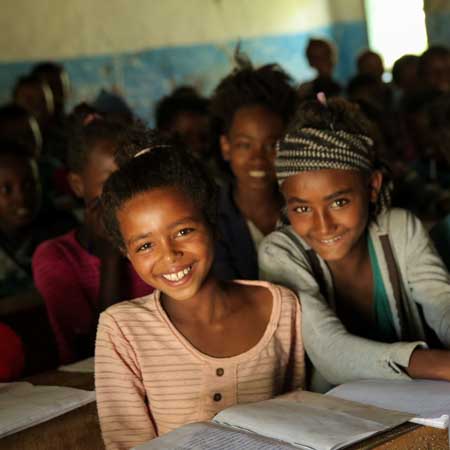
(150, 379)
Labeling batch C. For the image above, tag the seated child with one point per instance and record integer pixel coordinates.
(186, 351)
(23, 223)
(370, 282)
(253, 106)
(79, 274)
(12, 357)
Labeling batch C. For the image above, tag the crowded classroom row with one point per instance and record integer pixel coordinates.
(271, 237)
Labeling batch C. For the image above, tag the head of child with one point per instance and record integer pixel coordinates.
(92, 147)
(57, 79)
(36, 97)
(434, 68)
(20, 191)
(159, 208)
(321, 55)
(252, 107)
(331, 178)
(370, 63)
(184, 114)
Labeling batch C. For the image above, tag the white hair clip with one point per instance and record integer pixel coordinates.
(142, 152)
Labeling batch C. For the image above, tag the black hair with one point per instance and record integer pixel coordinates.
(400, 64)
(439, 51)
(182, 99)
(148, 160)
(323, 43)
(342, 115)
(269, 86)
(27, 80)
(46, 67)
(13, 148)
(85, 129)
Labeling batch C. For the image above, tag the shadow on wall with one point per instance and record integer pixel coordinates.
(144, 77)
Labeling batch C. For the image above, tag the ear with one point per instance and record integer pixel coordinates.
(76, 184)
(376, 180)
(225, 147)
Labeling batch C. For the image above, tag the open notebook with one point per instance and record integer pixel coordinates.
(23, 405)
(298, 420)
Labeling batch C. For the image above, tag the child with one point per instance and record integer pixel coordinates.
(79, 274)
(253, 106)
(185, 352)
(23, 223)
(370, 282)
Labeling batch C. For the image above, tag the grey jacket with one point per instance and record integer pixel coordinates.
(423, 283)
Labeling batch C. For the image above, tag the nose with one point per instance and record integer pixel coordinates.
(323, 222)
(170, 251)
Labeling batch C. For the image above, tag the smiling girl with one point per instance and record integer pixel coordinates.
(196, 345)
(372, 288)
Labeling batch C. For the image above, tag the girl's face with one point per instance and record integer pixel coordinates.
(249, 146)
(329, 209)
(167, 241)
(19, 192)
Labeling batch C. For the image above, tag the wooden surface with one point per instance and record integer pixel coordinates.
(76, 430)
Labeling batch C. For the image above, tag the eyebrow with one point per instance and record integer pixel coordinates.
(171, 225)
(327, 197)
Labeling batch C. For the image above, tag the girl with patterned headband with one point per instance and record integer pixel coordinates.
(375, 295)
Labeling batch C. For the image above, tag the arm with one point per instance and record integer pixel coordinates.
(338, 355)
(69, 307)
(124, 414)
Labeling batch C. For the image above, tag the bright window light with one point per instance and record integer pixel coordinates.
(396, 28)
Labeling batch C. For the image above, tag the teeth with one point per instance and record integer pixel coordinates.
(330, 241)
(257, 173)
(178, 275)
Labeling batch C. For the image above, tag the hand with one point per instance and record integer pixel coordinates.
(430, 364)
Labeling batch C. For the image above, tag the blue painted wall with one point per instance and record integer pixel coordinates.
(438, 27)
(145, 76)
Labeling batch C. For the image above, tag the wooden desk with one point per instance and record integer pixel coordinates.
(76, 430)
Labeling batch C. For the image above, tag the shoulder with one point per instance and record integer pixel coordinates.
(55, 248)
(399, 224)
(282, 240)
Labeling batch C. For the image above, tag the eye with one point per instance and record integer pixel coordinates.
(144, 247)
(339, 203)
(243, 145)
(185, 231)
(302, 209)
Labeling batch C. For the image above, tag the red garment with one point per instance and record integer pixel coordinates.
(68, 278)
(12, 355)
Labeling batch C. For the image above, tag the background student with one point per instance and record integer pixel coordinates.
(186, 351)
(372, 287)
(252, 107)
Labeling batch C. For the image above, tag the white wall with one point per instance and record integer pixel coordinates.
(57, 29)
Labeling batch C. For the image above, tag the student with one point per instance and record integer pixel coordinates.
(23, 223)
(370, 282)
(79, 274)
(434, 69)
(252, 106)
(186, 351)
(12, 357)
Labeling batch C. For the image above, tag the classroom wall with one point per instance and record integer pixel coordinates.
(143, 48)
(438, 21)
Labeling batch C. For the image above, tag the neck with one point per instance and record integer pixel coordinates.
(208, 305)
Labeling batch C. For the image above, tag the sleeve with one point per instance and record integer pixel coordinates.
(68, 307)
(339, 356)
(125, 418)
(428, 279)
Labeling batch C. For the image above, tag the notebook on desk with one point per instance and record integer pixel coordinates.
(302, 420)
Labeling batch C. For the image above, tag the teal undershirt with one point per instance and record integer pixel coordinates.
(383, 316)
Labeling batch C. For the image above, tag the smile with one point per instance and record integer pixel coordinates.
(331, 240)
(257, 173)
(177, 276)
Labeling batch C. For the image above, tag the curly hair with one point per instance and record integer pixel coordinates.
(85, 130)
(269, 86)
(148, 160)
(337, 115)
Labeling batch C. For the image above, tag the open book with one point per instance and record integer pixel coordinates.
(297, 420)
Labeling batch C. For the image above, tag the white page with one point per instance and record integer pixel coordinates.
(23, 405)
(84, 366)
(312, 420)
(211, 437)
(426, 399)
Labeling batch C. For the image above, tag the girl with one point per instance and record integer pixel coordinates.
(79, 274)
(370, 282)
(186, 351)
(252, 108)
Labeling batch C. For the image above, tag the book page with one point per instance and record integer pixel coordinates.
(83, 366)
(212, 437)
(310, 420)
(425, 399)
(23, 405)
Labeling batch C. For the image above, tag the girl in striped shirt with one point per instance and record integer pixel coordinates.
(196, 345)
